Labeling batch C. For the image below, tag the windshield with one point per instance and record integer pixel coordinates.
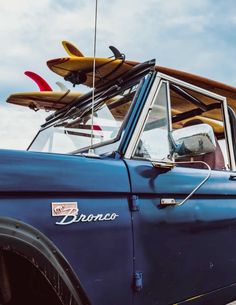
(73, 134)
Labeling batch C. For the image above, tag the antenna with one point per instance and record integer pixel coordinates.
(91, 150)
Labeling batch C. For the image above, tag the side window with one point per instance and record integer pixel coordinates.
(179, 108)
(189, 108)
(154, 143)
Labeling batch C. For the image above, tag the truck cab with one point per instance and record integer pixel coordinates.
(125, 196)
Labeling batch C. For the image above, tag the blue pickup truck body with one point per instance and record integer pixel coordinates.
(148, 253)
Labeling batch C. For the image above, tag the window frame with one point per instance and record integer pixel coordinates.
(160, 78)
(167, 110)
(107, 143)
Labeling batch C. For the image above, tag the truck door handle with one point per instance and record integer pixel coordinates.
(232, 177)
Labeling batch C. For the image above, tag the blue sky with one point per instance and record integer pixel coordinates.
(197, 36)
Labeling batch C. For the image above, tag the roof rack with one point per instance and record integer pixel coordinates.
(134, 73)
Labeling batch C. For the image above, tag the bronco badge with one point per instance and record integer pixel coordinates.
(70, 210)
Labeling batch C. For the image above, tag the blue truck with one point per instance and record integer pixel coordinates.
(125, 197)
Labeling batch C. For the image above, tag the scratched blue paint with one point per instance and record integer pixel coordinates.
(40, 172)
(30, 182)
(170, 244)
(183, 250)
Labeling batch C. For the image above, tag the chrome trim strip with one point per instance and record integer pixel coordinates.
(228, 135)
(169, 105)
(190, 86)
(143, 117)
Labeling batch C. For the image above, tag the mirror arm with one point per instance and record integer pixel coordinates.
(166, 202)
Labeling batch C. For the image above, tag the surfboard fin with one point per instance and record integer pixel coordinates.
(40, 82)
(71, 50)
(62, 86)
(117, 54)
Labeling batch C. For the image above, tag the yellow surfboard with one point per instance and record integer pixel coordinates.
(217, 125)
(47, 100)
(79, 70)
(82, 66)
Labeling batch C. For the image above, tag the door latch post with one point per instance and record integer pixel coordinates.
(134, 203)
(138, 281)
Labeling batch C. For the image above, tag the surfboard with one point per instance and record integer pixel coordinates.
(211, 85)
(45, 98)
(79, 70)
(217, 125)
(82, 69)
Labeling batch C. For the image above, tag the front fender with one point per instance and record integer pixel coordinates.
(34, 246)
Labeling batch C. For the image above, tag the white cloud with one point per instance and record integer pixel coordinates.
(19, 126)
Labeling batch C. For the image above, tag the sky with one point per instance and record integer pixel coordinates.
(197, 36)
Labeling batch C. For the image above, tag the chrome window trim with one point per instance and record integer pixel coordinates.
(191, 87)
(143, 117)
(169, 106)
(228, 136)
(150, 100)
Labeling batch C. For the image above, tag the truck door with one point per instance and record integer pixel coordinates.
(183, 253)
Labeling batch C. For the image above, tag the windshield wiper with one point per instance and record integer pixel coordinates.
(83, 108)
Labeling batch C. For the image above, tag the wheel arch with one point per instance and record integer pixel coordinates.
(30, 243)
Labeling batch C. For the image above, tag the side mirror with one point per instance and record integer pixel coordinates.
(192, 140)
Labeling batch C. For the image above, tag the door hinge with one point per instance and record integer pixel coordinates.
(134, 204)
(138, 281)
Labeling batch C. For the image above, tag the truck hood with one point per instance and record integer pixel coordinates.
(24, 171)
